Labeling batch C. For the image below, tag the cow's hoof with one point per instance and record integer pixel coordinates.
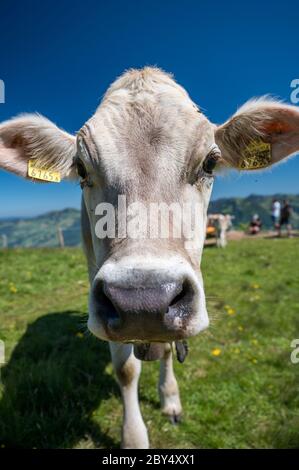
(175, 419)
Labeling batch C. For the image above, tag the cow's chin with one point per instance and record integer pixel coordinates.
(151, 348)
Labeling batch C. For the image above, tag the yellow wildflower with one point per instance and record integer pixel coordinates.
(254, 342)
(231, 311)
(240, 328)
(80, 335)
(255, 286)
(12, 288)
(216, 352)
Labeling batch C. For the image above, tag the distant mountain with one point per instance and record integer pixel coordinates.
(43, 230)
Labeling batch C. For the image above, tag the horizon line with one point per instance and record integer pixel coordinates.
(40, 214)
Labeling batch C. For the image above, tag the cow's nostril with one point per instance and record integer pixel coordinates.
(180, 309)
(105, 307)
(185, 295)
(178, 297)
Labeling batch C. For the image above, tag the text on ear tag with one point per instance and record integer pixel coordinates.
(256, 155)
(44, 174)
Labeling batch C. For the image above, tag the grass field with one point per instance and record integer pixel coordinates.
(238, 386)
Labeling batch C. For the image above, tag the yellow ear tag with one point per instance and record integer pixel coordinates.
(256, 155)
(44, 174)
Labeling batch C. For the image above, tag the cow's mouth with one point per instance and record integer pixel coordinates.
(155, 351)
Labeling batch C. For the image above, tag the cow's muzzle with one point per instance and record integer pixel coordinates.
(147, 306)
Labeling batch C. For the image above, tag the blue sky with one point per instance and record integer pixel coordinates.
(58, 58)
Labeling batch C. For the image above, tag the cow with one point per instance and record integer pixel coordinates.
(219, 224)
(149, 143)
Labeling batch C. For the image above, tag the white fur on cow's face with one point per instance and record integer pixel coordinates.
(147, 141)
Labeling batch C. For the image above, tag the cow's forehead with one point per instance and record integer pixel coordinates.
(148, 79)
(146, 116)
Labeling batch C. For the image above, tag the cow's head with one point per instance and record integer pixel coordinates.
(149, 143)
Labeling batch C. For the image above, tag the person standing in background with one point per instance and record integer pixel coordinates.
(276, 215)
(285, 216)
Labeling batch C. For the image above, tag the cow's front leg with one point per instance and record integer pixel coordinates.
(128, 368)
(221, 241)
(168, 388)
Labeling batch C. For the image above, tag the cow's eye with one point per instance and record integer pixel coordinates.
(82, 173)
(81, 170)
(211, 161)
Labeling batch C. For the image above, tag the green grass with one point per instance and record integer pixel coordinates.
(58, 387)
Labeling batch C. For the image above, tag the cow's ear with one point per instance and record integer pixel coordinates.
(261, 133)
(34, 138)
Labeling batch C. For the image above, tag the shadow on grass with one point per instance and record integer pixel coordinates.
(53, 382)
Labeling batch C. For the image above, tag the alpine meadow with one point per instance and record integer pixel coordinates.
(239, 388)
